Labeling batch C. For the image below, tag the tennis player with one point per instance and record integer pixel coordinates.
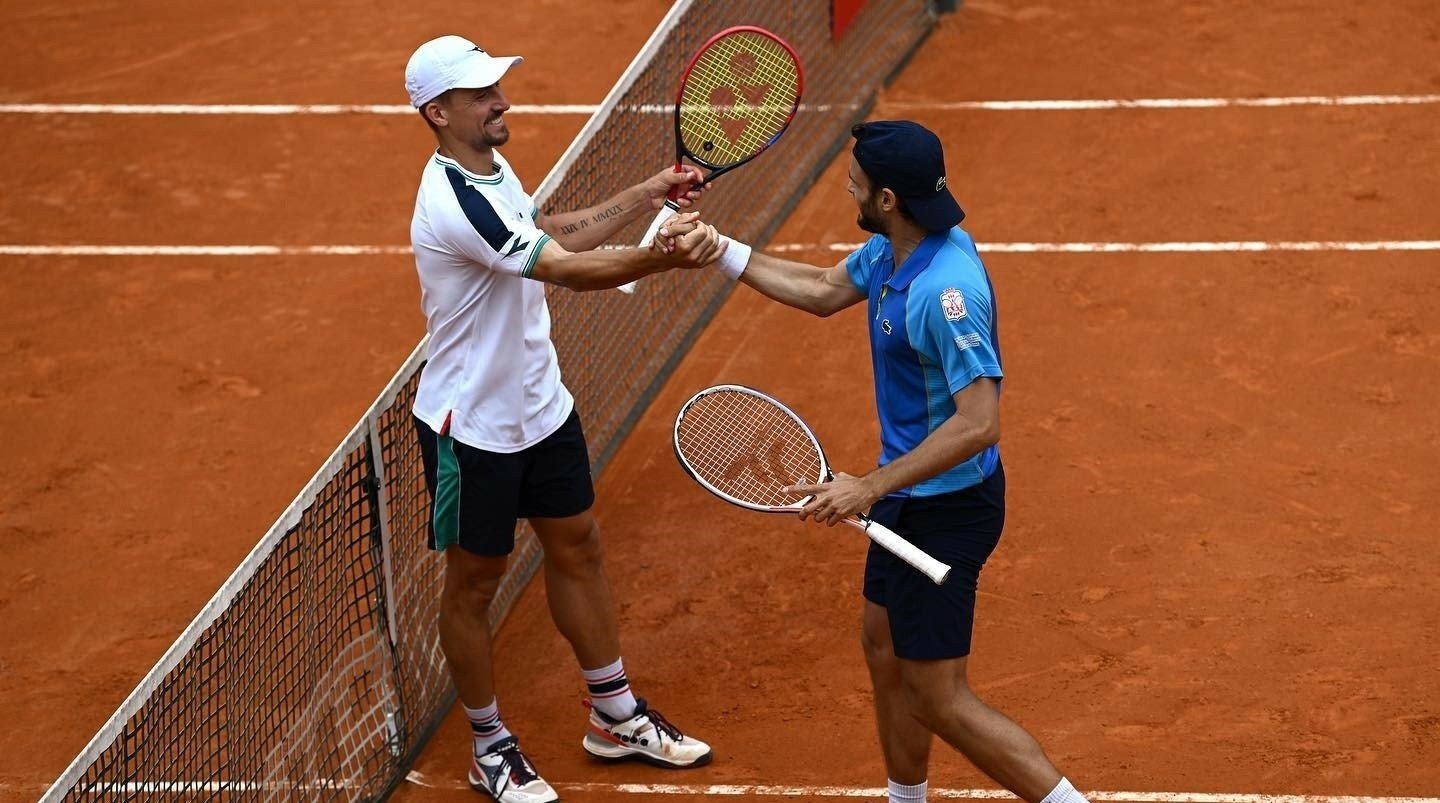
(935, 349)
(498, 430)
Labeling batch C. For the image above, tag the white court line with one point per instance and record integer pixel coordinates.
(201, 250)
(1076, 104)
(1231, 246)
(770, 790)
(1234, 246)
(735, 790)
(253, 108)
(1165, 103)
(321, 108)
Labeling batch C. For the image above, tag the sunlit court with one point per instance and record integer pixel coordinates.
(1210, 234)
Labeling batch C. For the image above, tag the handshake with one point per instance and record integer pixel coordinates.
(692, 243)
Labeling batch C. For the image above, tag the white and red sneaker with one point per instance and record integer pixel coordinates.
(507, 775)
(645, 736)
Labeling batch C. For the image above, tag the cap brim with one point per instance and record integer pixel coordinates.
(486, 72)
(936, 213)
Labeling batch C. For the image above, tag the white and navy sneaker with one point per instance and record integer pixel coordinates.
(507, 775)
(645, 736)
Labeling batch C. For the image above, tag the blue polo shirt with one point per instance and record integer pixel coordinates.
(932, 332)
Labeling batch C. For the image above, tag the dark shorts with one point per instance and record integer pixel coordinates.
(930, 622)
(476, 497)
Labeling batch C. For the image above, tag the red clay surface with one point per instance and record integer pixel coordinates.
(1219, 573)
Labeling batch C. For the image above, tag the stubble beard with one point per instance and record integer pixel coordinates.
(491, 138)
(869, 220)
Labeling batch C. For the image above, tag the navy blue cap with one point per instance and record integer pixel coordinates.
(907, 158)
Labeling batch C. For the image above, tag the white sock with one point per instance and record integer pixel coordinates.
(610, 690)
(486, 727)
(1064, 792)
(900, 793)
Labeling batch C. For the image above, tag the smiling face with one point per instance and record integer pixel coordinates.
(474, 117)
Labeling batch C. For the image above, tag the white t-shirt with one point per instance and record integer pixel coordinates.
(492, 370)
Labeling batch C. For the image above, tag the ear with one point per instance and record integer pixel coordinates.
(435, 113)
(889, 201)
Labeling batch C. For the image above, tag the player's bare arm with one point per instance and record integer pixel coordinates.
(816, 290)
(698, 247)
(585, 229)
(974, 427)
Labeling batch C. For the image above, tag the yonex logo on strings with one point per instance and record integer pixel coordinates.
(743, 66)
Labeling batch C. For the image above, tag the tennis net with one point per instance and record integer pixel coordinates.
(315, 672)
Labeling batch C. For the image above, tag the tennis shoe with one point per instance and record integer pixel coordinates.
(645, 736)
(507, 775)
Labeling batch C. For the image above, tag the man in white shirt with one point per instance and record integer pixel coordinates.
(498, 430)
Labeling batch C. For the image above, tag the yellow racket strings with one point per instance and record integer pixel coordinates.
(738, 97)
(747, 448)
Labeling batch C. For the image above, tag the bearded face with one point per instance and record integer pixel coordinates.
(492, 134)
(871, 218)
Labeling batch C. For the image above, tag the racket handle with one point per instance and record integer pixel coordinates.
(669, 210)
(902, 549)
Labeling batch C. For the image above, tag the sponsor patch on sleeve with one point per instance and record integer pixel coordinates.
(968, 341)
(952, 304)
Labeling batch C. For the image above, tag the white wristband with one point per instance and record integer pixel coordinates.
(732, 263)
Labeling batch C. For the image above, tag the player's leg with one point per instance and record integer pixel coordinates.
(464, 623)
(940, 696)
(931, 627)
(556, 499)
(577, 588)
(904, 741)
(473, 500)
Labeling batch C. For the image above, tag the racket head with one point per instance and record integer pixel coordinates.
(737, 96)
(744, 446)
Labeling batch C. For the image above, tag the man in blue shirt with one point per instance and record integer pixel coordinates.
(935, 348)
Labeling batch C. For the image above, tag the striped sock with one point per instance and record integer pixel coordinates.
(610, 690)
(486, 727)
(900, 793)
(1064, 792)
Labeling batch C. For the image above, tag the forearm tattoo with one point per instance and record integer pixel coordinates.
(597, 218)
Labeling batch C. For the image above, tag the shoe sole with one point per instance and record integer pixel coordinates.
(484, 790)
(628, 755)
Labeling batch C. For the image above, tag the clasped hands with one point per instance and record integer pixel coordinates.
(690, 241)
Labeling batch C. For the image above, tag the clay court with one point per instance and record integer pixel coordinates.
(1219, 570)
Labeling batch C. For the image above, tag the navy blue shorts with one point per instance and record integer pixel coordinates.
(477, 497)
(930, 622)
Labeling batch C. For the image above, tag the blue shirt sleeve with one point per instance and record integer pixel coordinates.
(860, 263)
(950, 324)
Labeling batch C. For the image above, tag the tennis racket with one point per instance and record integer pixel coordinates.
(744, 447)
(737, 96)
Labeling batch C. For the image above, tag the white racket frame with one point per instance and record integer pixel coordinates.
(879, 533)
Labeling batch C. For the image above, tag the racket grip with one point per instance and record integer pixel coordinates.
(903, 549)
(669, 210)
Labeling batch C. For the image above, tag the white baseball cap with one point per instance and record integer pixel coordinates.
(452, 62)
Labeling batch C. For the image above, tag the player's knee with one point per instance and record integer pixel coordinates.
(472, 584)
(469, 600)
(938, 704)
(877, 649)
(578, 552)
